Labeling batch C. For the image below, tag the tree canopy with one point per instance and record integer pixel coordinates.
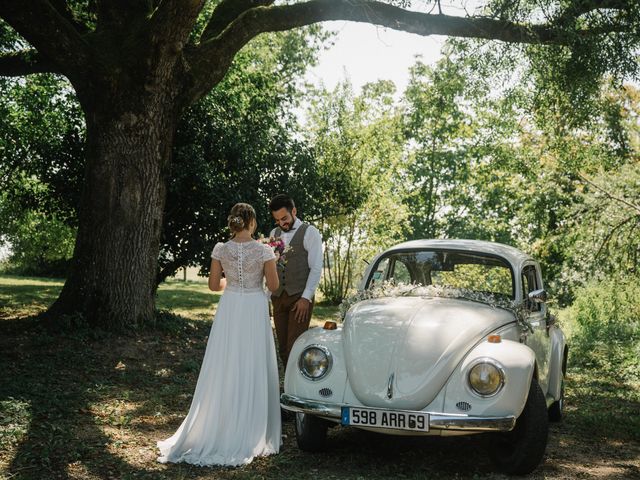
(137, 66)
(66, 36)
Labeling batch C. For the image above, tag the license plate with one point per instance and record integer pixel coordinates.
(383, 418)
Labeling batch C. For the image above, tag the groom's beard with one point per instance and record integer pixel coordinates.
(287, 226)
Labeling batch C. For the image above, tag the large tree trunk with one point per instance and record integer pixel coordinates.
(113, 279)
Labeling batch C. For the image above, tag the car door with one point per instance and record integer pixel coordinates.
(539, 340)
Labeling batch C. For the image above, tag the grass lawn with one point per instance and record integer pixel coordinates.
(87, 405)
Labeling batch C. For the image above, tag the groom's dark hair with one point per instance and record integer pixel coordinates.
(281, 201)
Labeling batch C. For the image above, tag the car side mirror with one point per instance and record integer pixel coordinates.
(538, 296)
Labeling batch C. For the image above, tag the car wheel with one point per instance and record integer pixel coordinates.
(521, 450)
(556, 410)
(311, 432)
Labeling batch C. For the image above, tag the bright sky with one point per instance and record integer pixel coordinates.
(365, 53)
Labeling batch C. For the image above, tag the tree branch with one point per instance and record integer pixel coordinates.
(118, 14)
(211, 59)
(168, 33)
(610, 195)
(65, 11)
(174, 19)
(26, 62)
(226, 12)
(285, 17)
(580, 7)
(609, 236)
(49, 32)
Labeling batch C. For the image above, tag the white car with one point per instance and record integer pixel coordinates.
(449, 337)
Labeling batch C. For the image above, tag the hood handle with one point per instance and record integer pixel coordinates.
(390, 386)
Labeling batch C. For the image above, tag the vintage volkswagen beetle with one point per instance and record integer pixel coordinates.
(463, 345)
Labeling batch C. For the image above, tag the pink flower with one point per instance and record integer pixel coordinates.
(278, 247)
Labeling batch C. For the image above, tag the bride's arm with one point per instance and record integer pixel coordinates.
(216, 281)
(271, 275)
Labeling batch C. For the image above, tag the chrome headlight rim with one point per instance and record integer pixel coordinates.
(327, 354)
(499, 368)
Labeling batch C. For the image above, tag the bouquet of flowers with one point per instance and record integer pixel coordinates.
(278, 247)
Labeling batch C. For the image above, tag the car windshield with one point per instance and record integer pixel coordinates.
(475, 272)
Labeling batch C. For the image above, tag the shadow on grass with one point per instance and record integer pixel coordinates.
(24, 296)
(91, 406)
(605, 406)
(27, 298)
(186, 295)
(76, 400)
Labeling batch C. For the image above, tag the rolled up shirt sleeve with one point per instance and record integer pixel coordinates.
(313, 245)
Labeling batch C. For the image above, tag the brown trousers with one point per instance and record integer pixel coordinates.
(288, 329)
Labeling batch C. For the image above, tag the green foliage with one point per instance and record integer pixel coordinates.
(567, 76)
(41, 143)
(607, 337)
(600, 232)
(510, 167)
(358, 143)
(606, 229)
(514, 167)
(9, 39)
(609, 311)
(42, 138)
(438, 130)
(39, 245)
(238, 144)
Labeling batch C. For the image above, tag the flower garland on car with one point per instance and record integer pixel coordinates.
(392, 289)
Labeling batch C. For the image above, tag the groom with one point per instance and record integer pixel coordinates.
(299, 275)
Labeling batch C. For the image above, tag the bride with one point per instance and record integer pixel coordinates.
(235, 411)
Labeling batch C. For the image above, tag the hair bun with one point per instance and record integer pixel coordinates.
(237, 221)
(241, 217)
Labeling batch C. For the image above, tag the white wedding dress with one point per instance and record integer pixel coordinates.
(235, 411)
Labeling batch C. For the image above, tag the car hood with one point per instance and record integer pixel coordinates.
(400, 351)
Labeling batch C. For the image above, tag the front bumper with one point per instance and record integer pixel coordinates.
(437, 421)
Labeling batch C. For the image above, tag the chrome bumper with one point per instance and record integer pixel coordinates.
(437, 421)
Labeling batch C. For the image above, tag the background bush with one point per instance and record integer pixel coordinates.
(606, 327)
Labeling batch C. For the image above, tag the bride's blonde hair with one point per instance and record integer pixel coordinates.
(240, 217)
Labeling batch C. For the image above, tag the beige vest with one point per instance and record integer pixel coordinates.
(294, 273)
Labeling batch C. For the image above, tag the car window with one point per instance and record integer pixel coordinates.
(529, 284)
(400, 273)
(479, 278)
(380, 273)
(477, 272)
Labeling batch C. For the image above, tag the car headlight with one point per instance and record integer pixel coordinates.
(486, 378)
(315, 362)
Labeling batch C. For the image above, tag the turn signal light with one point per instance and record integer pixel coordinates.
(330, 325)
(494, 339)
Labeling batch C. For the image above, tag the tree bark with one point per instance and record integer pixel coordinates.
(117, 246)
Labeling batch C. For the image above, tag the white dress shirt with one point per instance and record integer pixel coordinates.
(312, 243)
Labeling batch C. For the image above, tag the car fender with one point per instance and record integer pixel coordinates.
(516, 360)
(557, 363)
(332, 385)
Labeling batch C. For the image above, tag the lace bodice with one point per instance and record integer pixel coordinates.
(243, 263)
